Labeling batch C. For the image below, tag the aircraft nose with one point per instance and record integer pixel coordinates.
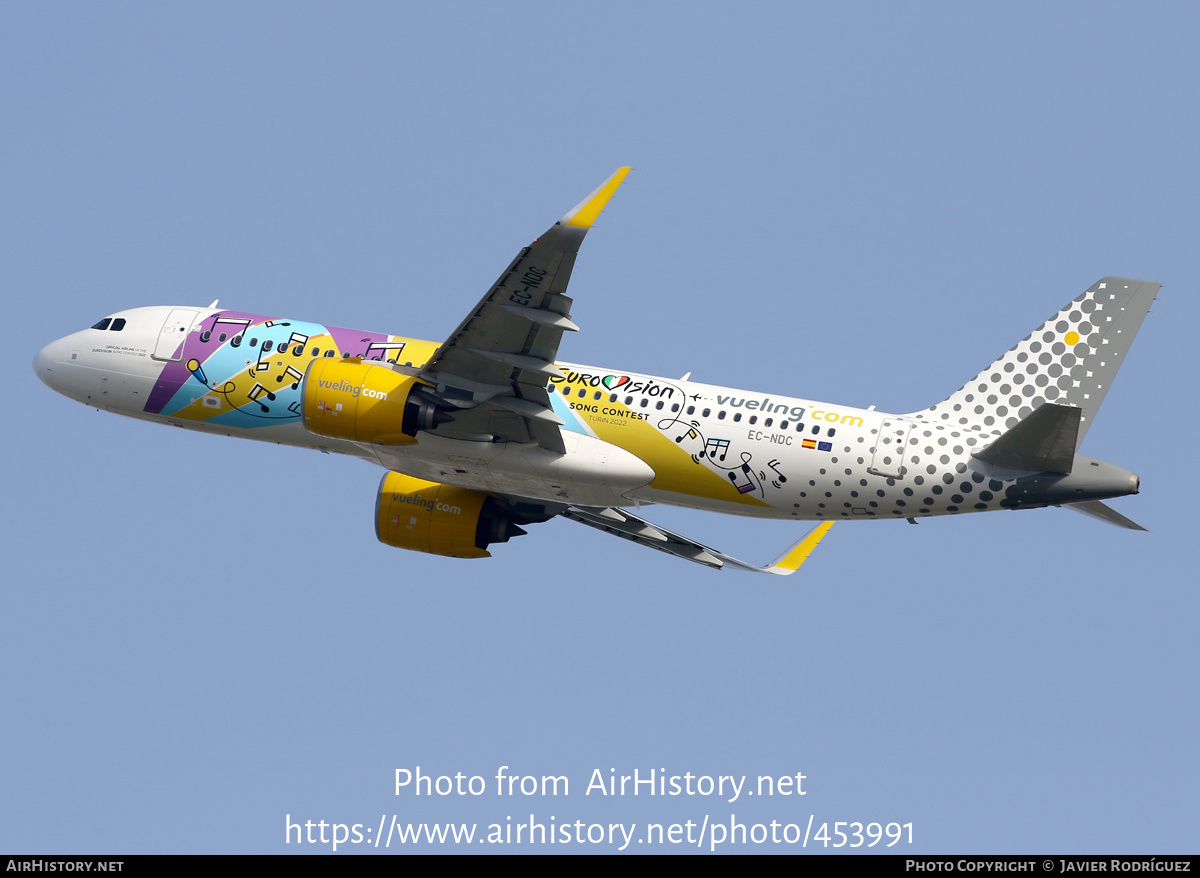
(48, 362)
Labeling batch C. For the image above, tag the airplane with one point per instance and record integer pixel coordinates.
(488, 433)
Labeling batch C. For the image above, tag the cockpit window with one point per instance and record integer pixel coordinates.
(103, 324)
(118, 324)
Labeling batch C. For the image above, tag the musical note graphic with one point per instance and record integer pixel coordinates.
(258, 390)
(233, 326)
(272, 323)
(264, 359)
(385, 350)
(690, 433)
(193, 366)
(713, 446)
(291, 372)
(746, 473)
(780, 478)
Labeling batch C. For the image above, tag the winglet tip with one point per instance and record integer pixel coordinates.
(585, 213)
(789, 562)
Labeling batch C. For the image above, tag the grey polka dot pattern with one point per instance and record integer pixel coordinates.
(1070, 359)
(921, 464)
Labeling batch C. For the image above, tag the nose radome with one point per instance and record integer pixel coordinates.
(50, 364)
(43, 363)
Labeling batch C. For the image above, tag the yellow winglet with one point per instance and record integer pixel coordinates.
(790, 561)
(586, 211)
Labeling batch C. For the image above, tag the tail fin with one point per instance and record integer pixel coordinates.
(1071, 359)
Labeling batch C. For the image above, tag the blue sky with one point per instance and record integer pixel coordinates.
(860, 203)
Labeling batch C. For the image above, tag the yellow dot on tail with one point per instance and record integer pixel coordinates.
(1071, 338)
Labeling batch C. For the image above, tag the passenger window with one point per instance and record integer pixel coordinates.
(298, 351)
(316, 352)
(737, 416)
(346, 355)
(103, 324)
(206, 335)
(222, 337)
(674, 406)
(596, 396)
(816, 429)
(267, 344)
(118, 324)
(767, 422)
(612, 397)
(330, 353)
(283, 346)
(754, 419)
(704, 414)
(254, 342)
(691, 410)
(721, 415)
(658, 405)
(629, 400)
(645, 402)
(831, 432)
(236, 341)
(783, 425)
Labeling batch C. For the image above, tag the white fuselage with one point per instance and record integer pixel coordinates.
(630, 438)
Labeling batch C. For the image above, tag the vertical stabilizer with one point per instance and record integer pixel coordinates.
(1071, 359)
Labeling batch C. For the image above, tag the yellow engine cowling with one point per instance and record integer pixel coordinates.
(363, 402)
(440, 519)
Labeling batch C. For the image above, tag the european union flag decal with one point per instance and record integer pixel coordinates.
(824, 446)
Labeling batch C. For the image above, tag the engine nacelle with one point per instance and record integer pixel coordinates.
(365, 402)
(440, 519)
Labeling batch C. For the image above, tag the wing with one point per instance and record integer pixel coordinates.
(492, 371)
(624, 524)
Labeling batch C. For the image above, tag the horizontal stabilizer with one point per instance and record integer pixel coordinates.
(1042, 442)
(624, 524)
(1096, 509)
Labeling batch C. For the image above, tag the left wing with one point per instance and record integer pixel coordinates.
(624, 524)
(492, 371)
